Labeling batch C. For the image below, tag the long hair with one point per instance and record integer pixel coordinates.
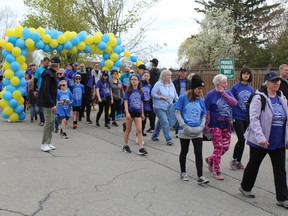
(246, 69)
(191, 95)
(103, 80)
(139, 87)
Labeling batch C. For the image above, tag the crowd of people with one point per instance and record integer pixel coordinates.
(258, 117)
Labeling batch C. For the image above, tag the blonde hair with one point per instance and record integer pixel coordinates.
(62, 82)
(282, 66)
(163, 73)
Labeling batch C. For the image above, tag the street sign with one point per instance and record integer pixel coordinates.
(227, 68)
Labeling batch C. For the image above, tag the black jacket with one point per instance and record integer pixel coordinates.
(154, 76)
(48, 91)
(176, 83)
(284, 87)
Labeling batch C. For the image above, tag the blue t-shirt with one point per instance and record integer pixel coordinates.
(220, 110)
(38, 75)
(241, 92)
(1, 86)
(182, 86)
(191, 111)
(64, 109)
(134, 99)
(146, 89)
(77, 90)
(104, 89)
(125, 79)
(25, 88)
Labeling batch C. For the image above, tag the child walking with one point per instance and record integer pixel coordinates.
(77, 91)
(133, 103)
(33, 99)
(64, 101)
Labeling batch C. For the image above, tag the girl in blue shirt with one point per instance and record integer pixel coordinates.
(133, 104)
(146, 88)
(241, 91)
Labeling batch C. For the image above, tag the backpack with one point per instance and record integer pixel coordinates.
(263, 104)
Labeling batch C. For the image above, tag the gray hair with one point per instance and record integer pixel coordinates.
(266, 83)
(163, 73)
(190, 76)
(219, 78)
(61, 70)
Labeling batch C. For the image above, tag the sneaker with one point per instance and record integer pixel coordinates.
(56, 130)
(218, 175)
(283, 203)
(45, 148)
(210, 164)
(170, 142)
(155, 139)
(202, 180)
(142, 151)
(114, 124)
(51, 146)
(41, 124)
(233, 165)
(64, 135)
(89, 122)
(124, 126)
(248, 194)
(150, 130)
(184, 176)
(107, 126)
(126, 148)
(176, 135)
(240, 166)
(97, 124)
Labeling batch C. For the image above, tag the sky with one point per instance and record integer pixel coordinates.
(175, 21)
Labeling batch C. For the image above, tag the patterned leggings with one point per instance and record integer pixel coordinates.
(221, 140)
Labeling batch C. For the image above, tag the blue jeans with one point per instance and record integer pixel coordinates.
(162, 123)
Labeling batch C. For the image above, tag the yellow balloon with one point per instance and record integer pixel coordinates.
(127, 53)
(3, 103)
(111, 35)
(41, 31)
(21, 59)
(10, 32)
(9, 47)
(108, 49)
(14, 117)
(73, 33)
(109, 63)
(16, 95)
(15, 81)
(2, 42)
(64, 51)
(112, 42)
(18, 31)
(6, 65)
(33, 30)
(16, 51)
(21, 100)
(139, 63)
(105, 68)
(46, 38)
(74, 50)
(93, 48)
(9, 73)
(23, 66)
(98, 51)
(8, 110)
(114, 56)
(29, 43)
(68, 35)
(97, 37)
(81, 46)
(53, 43)
(31, 49)
(88, 40)
(61, 39)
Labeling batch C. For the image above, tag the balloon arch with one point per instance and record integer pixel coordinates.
(23, 40)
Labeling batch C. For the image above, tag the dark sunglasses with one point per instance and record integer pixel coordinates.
(77, 78)
(59, 73)
(105, 74)
(62, 85)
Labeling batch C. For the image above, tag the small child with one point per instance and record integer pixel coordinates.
(77, 91)
(64, 101)
(33, 99)
(146, 88)
(133, 103)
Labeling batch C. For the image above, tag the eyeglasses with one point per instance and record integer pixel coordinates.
(59, 73)
(105, 74)
(62, 85)
(77, 78)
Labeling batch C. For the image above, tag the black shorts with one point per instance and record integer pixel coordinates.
(135, 114)
(64, 117)
(76, 108)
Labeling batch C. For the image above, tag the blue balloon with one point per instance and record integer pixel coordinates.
(36, 36)
(54, 34)
(20, 43)
(10, 88)
(4, 115)
(82, 35)
(105, 38)
(5, 53)
(102, 63)
(7, 95)
(15, 66)
(13, 103)
(133, 58)
(47, 48)
(22, 116)
(102, 45)
(21, 89)
(119, 41)
(19, 109)
(59, 48)
(6, 82)
(114, 68)
(117, 49)
(87, 49)
(75, 41)
(26, 33)
(47, 31)
(106, 56)
(24, 52)
(12, 40)
(23, 81)
(118, 63)
(68, 45)
(40, 44)
(19, 74)
(10, 58)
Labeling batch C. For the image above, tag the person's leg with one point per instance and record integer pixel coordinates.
(42, 115)
(48, 126)
(240, 127)
(57, 122)
(113, 110)
(82, 110)
(101, 106)
(138, 125)
(127, 131)
(152, 117)
(252, 168)
(226, 140)
(32, 112)
(88, 109)
(278, 158)
(217, 151)
(183, 153)
(106, 114)
(198, 144)
(163, 119)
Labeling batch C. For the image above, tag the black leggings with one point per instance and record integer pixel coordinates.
(240, 127)
(86, 103)
(115, 107)
(102, 105)
(197, 143)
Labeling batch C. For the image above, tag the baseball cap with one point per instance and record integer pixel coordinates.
(271, 76)
(182, 69)
(55, 59)
(142, 66)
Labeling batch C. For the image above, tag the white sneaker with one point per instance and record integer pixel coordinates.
(45, 148)
(51, 146)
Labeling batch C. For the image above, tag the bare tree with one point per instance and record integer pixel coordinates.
(7, 20)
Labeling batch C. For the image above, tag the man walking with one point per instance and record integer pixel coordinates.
(47, 97)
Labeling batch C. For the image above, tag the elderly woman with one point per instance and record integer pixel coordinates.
(163, 94)
(219, 103)
(267, 134)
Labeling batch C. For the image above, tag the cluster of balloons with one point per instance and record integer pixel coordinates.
(21, 40)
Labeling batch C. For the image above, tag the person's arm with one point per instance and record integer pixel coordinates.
(128, 117)
(98, 94)
(230, 99)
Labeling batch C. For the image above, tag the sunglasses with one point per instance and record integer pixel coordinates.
(77, 78)
(59, 73)
(105, 74)
(62, 85)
